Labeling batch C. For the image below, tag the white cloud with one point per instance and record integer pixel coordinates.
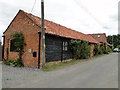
(87, 16)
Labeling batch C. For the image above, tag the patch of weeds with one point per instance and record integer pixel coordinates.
(14, 63)
(53, 66)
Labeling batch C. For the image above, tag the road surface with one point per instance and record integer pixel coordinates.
(100, 72)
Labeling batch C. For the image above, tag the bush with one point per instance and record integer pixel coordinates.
(118, 46)
(102, 49)
(96, 49)
(85, 54)
(14, 63)
(76, 48)
(81, 49)
(109, 50)
(105, 50)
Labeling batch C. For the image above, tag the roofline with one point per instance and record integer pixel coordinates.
(61, 26)
(71, 38)
(11, 21)
(16, 16)
(30, 18)
(48, 21)
(98, 34)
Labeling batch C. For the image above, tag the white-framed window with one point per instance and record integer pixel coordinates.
(65, 46)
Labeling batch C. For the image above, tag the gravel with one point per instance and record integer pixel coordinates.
(13, 75)
(100, 72)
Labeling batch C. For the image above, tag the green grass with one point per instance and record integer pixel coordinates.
(58, 65)
(51, 66)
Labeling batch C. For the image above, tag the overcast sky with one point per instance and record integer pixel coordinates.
(87, 16)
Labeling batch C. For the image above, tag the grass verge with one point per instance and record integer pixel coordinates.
(57, 65)
(50, 66)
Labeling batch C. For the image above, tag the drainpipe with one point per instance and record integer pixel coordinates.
(39, 50)
(62, 51)
(3, 47)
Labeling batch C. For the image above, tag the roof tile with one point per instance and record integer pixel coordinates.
(57, 29)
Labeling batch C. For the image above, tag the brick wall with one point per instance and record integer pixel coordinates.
(23, 24)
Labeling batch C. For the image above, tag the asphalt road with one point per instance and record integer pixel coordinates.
(100, 72)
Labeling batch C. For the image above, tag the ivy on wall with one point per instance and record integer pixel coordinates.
(81, 49)
(97, 50)
(102, 49)
(18, 38)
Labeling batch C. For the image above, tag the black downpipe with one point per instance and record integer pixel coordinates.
(3, 47)
(62, 51)
(39, 50)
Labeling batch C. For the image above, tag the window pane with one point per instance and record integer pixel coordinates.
(66, 43)
(12, 46)
(65, 46)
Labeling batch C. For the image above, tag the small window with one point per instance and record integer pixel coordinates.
(34, 54)
(65, 46)
(98, 36)
(13, 48)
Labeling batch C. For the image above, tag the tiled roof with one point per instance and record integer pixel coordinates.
(59, 30)
(101, 37)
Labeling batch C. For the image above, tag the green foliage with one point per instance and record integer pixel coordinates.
(96, 50)
(14, 63)
(118, 46)
(104, 49)
(100, 51)
(109, 50)
(76, 47)
(51, 66)
(85, 54)
(114, 39)
(81, 49)
(19, 43)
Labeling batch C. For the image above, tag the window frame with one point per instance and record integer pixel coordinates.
(12, 46)
(65, 46)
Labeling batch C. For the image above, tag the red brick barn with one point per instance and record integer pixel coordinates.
(57, 39)
(101, 38)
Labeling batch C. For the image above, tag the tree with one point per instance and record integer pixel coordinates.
(114, 39)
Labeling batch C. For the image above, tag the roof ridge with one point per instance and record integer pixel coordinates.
(57, 30)
(51, 22)
(97, 33)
